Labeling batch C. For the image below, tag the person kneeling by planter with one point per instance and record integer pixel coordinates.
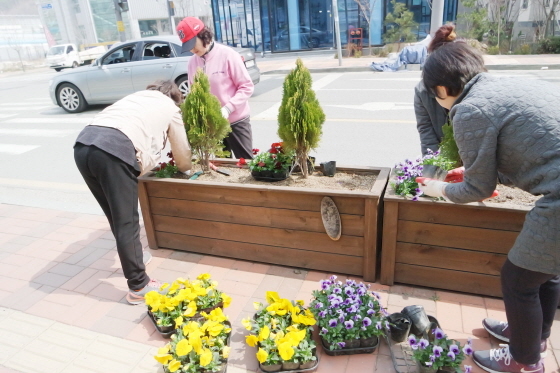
(509, 126)
(123, 142)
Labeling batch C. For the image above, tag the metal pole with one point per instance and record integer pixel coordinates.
(171, 11)
(337, 32)
(437, 16)
(120, 24)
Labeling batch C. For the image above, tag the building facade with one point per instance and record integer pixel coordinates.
(298, 25)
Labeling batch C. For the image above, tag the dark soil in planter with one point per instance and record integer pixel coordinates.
(515, 196)
(165, 331)
(340, 181)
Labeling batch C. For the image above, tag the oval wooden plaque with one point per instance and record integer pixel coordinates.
(331, 218)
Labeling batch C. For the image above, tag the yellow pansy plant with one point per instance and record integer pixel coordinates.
(174, 365)
(281, 331)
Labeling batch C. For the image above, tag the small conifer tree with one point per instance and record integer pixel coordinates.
(206, 127)
(300, 118)
(400, 25)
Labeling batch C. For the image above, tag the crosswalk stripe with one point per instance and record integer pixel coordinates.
(76, 120)
(2, 116)
(16, 149)
(20, 103)
(36, 132)
(23, 108)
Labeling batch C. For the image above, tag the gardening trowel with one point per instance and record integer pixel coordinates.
(219, 170)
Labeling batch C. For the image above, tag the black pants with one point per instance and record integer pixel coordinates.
(531, 299)
(114, 185)
(240, 140)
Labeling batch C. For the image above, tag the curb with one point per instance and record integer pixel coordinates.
(367, 68)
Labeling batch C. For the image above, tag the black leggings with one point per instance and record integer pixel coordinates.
(531, 299)
(114, 185)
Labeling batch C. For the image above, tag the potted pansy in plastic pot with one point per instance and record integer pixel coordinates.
(182, 300)
(438, 353)
(349, 317)
(282, 333)
(200, 346)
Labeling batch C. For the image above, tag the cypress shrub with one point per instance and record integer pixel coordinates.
(206, 127)
(300, 118)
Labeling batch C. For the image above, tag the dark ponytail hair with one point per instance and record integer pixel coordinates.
(444, 34)
(206, 36)
(452, 65)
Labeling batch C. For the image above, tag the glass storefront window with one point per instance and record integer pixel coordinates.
(148, 28)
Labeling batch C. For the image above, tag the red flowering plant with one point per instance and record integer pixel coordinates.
(242, 161)
(167, 169)
(276, 159)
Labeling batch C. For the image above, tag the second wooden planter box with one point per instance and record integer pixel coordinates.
(447, 246)
(271, 224)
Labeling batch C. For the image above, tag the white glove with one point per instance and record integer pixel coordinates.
(431, 187)
(225, 112)
(188, 172)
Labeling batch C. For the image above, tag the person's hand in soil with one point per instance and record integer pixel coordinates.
(455, 175)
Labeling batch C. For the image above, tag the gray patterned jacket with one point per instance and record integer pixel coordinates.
(512, 126)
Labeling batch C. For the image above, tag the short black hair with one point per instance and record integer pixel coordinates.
(206, 36)
(452, 66)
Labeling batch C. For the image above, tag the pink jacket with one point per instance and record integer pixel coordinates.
(229, 79)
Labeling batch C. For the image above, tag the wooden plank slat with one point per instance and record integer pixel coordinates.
(333, 263)
(370, 240)
(450, 258)
(447, 279)
(312, 241)
(459, 215)
(253, 197)
(389, 246)
(352, 225)
(477, 239)
(147, 216)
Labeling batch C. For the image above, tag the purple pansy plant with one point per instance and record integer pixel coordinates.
(347, 309)
(406, 173)
(440, 352)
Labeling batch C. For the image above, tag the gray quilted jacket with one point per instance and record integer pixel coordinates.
(512, 126)
(430, 118)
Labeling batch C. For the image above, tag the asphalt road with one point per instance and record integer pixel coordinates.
(370, 122)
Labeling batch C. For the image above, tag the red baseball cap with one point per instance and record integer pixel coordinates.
(187, 30)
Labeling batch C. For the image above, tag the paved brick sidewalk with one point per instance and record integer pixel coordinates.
(62, 306)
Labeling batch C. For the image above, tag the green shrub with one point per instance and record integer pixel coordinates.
(493, 49)
(300, 118)
(523, 49)
(206, 127)
(550, 45)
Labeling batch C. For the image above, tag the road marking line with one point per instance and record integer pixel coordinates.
(76, 120)
(269, 114)
(14, 149)
(377, 106)
(36, 132)
(23, 108)
(371, 89)
(35, 184)
(351, 120)
(323, 82)
(2, 116)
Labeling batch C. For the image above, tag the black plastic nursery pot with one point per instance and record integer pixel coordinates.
(357, 346)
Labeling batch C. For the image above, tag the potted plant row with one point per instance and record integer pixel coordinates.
(282, 333)
(183, 300)
(199, 346)
(349, 317)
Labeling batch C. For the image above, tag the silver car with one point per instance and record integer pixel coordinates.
(126, 68)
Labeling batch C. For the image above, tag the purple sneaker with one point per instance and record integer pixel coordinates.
(499, 360)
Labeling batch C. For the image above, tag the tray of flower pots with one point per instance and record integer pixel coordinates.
(183, 300)
(413, 338)
(282, 332)
(350, 318)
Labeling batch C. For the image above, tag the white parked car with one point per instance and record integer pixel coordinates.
(129, 67)
(66, 55)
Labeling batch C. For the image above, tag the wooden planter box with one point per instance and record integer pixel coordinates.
(270, 224)
(445, 245)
